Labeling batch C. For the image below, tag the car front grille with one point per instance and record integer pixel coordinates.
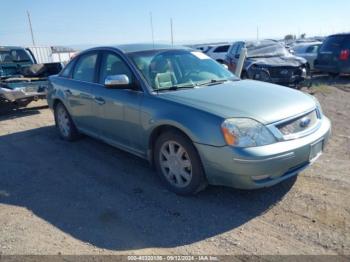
(284, 72)
(300, 124)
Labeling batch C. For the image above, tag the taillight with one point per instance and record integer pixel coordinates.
(344, 54)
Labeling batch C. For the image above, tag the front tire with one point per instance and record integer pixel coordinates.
(178, 164)
(64, 123)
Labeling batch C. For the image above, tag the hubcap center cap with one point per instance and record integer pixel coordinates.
(174, 164)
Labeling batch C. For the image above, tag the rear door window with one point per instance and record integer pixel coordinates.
(85, 68)
(222, 49)
(19, 55)
(233, 49)
(239, 47)
(312, 49)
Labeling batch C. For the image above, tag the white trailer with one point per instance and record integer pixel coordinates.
(51, 54)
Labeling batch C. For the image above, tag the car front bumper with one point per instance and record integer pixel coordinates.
(35, 91)
(257, 167)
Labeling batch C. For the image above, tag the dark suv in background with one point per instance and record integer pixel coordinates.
(334, 55)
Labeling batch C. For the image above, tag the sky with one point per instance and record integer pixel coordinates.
(104, 22)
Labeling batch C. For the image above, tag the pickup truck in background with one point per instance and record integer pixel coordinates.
(22, 80)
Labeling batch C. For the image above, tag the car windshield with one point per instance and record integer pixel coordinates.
(299, 49)
(265, 49)
(13, 56)
(173, 69)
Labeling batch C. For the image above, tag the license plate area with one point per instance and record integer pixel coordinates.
(316, 150)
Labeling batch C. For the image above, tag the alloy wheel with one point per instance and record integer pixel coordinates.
(175, 164)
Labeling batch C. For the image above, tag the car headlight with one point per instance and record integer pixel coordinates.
(246, 132)
(318, 107)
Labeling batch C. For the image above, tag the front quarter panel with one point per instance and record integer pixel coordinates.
(200, 126)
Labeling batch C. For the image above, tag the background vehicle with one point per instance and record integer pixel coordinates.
(268, 61)
(51, 54)
(202, 47)
(189, 116)
(21, 79)
(308, 51)
(218, 52)
(334, 55)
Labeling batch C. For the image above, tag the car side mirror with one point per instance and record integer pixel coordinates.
(224, 66)
(117, 81)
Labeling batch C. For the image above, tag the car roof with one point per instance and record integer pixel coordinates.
(132, 48)
(340, 34)
(307, 44)
(261, 42)
(8, 48)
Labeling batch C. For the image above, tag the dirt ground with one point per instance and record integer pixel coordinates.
(89, 198)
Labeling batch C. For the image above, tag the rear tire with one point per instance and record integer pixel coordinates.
(64, 123)
(178, 164)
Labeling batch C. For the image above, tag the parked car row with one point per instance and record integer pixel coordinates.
(286, 64)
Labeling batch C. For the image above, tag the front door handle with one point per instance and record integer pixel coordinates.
(99, 100)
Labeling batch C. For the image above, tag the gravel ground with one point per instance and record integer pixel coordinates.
(86, 197)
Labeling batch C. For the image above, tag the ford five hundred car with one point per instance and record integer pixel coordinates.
(188, 116)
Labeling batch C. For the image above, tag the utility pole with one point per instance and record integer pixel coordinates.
(257, 33)
(152, 31)
(30, 27)
(172, 32)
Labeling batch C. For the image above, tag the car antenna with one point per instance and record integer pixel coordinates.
(152, 30)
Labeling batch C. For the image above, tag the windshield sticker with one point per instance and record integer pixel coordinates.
(200, 55)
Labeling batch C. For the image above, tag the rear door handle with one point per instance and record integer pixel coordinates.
(99, 100)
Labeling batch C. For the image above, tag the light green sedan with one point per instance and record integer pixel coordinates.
(188, 116)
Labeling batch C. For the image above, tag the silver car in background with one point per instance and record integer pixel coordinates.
(308, 51)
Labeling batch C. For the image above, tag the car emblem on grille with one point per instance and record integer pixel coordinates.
(304, 122)
(284, 72)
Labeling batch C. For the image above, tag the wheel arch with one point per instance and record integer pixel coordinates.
(55, 102)
(58, 100)
(157, 131)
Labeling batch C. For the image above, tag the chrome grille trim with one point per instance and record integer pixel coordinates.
(275, 130)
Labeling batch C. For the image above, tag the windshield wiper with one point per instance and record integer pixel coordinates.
(175, 87)
(212, 82)
(193, 85)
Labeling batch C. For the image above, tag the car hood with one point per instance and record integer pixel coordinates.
(264, 102)
(288, 60)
